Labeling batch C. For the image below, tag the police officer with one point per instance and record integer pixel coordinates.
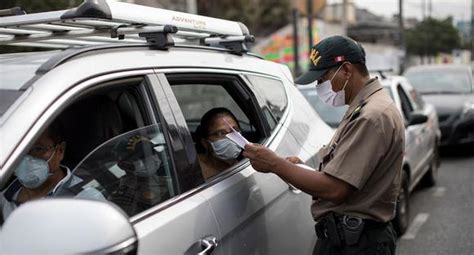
(357, 185)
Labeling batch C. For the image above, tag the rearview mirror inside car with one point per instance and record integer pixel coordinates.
(68, 226)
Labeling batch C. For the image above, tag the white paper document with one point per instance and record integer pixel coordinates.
(237, 138)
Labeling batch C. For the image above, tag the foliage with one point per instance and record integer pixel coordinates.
(433, 36)
(31, 6)
(262, 17)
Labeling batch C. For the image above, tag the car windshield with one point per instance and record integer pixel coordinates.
(439, 81)
(15, 70)
(331, 115)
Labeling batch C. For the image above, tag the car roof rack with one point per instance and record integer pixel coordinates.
(97, 22)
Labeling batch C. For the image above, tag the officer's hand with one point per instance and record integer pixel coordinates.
(261, 158)
(294, 160)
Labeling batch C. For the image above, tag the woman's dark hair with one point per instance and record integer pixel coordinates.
(202, 131)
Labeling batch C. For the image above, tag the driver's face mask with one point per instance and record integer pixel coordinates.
(225, 149)
(33, 172)
(327, 95)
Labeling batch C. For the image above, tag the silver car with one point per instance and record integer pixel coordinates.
(422, 135)
(110, 95)
(450, 88)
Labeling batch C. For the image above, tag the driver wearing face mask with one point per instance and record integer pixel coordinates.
(218, 152)
(40, 173)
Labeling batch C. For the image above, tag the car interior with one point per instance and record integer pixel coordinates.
(96, 124)
(198, 93)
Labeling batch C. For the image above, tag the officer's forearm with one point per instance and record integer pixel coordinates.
(317, 184)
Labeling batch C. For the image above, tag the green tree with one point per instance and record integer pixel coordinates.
(432, 36)
(31, 6)
(262, 17)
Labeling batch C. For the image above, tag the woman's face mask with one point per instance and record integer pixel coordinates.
(225, 149)
(33, 172)
(330, 97)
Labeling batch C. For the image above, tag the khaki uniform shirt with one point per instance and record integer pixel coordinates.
(366, 152)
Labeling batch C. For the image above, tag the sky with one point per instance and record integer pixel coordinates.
(459, 9)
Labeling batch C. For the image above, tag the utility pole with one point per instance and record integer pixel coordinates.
(472, 33)
(295, 18)
(423, 9)
(430, 8)
(309, 6)
(344, 16)
(191, 6)
(401, 29)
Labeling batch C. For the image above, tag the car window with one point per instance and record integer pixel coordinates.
(416, 99)
(440, 81)
(115, 148)
(331, 115)
(132, 170)
(407, 108)
(271, 97)
(198, 94)
(196, 99)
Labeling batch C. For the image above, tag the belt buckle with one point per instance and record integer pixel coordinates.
(351, 222)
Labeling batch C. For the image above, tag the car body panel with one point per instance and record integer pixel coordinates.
(177, 229)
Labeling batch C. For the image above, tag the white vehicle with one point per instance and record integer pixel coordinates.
(131, 71)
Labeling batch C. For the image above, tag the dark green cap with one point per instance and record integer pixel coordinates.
(329, 53)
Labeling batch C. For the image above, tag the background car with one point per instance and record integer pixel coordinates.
(331, 115)
(450, 89)
(422, 136)
(117, 94)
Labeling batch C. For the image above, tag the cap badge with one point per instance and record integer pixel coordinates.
(339, 59)
(314, 56)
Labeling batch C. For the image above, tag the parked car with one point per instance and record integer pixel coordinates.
(422, 137)
(450, 89)
(331, 115)
(111, 94)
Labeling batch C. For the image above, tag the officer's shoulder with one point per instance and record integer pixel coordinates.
(372, 110)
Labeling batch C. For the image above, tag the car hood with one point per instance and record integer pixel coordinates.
(448, 103)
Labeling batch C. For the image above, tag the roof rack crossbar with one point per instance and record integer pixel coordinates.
(236, 44)
(160, 38)
(118, 22)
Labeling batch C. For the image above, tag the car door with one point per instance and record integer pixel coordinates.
(252, 209)
(428, 132)
(415, 144)
(125, 147)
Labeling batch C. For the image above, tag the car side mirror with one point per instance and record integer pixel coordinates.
(417, 118)
(68, 226)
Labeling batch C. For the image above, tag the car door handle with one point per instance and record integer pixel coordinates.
(208, 245)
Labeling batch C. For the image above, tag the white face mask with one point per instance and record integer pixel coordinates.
(33, 172)
(330, 97)
(225, 149)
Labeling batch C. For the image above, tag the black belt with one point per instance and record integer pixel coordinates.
(344, 229)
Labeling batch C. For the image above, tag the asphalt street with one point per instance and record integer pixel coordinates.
(442, 217)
